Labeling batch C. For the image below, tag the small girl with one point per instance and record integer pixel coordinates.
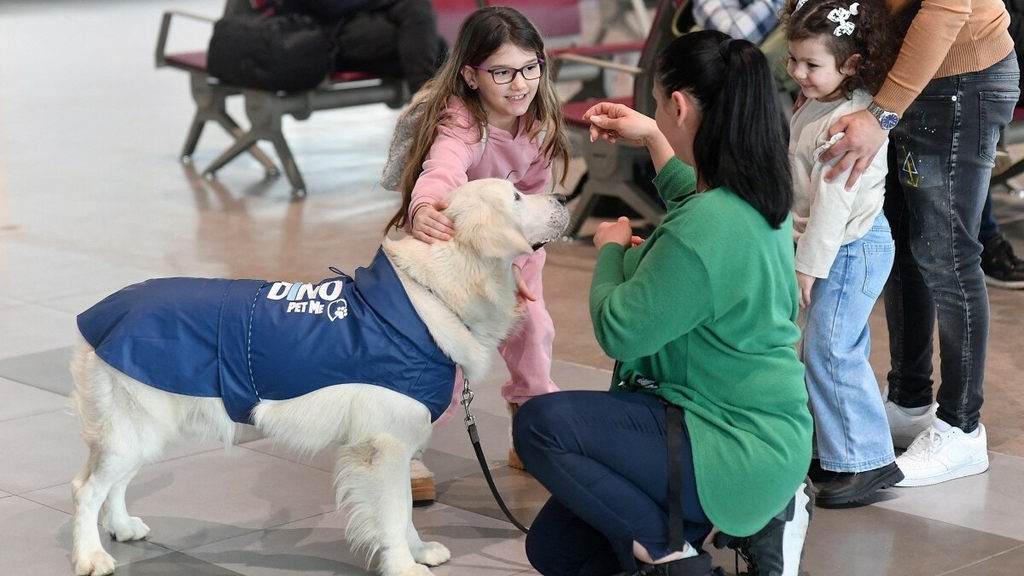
(491, 111)
(839, 53)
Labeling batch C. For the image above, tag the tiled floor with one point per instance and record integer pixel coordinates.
(92, 197)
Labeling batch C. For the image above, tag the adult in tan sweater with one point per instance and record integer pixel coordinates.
(952, 89)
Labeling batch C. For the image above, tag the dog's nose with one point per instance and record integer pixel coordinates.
(561, 199)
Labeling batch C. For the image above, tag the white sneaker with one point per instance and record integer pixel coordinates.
(940, 456)
(906, 427)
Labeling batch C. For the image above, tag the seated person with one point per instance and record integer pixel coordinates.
(745, 19)
(386, 38)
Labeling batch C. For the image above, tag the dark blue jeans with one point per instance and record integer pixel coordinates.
(989, 226)
(943, 150)
(603, 457)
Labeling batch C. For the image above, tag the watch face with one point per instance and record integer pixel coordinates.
(888, 120)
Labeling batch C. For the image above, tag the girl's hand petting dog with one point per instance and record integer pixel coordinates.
(429, 224)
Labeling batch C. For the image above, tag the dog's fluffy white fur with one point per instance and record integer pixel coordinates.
(464, 292)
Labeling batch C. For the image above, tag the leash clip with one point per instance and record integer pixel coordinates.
(467, 399)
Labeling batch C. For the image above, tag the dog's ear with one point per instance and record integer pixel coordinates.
(485, 223)
(499, 242)
(490, 235)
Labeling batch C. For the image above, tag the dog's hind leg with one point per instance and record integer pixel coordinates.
(122, 526)
(89, 490)
(118, 424)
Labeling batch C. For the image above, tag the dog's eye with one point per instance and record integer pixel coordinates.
(517, 196)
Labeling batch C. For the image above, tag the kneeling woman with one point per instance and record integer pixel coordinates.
(706, 423)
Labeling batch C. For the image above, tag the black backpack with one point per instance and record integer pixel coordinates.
(289, 52)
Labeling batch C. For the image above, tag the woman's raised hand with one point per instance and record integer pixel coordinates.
(611, 122)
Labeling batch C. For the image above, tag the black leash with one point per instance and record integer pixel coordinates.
(474, 437)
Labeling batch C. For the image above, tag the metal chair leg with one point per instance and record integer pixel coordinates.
(211, 104)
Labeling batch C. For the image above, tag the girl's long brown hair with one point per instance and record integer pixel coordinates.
(483, 33)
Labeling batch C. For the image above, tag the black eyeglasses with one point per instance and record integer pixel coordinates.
(507, 75)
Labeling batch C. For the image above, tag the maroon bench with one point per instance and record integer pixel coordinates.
(209, 97)
(264, 109)
(558, 20)
(610, 167)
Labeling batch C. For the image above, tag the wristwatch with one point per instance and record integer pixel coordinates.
(887, 119)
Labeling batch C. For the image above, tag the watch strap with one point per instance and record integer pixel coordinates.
(886, 119)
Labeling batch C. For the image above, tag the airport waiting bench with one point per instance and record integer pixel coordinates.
(558, 20)
(265, 110)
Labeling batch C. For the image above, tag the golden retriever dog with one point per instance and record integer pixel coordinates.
(182, 357)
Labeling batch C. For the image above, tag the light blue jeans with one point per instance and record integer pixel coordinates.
(850, 428)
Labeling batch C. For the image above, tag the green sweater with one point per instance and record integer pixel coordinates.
(707, 306)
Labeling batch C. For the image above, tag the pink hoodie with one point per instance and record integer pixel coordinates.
(457, 156)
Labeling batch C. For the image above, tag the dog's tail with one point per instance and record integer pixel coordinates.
(106, 399)
(93, 395)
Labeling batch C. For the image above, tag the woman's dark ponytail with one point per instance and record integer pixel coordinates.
(741, 142)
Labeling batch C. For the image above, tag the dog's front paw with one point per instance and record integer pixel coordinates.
(97, 563)
(411, 569)
(431, 553)
(133, 529)
(415, 570)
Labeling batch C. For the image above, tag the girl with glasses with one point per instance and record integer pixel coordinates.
(491, 112)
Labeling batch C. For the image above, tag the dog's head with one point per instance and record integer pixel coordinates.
(499, 221)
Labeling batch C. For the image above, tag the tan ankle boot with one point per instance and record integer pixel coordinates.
(513, 458)
(422, 480)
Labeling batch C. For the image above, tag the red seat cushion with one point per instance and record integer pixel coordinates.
(450, 14)
(573, 111)
(553, 18)
(598, 49)
(188, 60)
(351, 76)
(197, 61)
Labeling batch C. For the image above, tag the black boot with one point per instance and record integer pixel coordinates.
(1001, 266)
(778, 547)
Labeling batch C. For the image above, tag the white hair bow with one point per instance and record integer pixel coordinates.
(842, 19)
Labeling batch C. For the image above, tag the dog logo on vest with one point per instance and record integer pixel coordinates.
(337, 310)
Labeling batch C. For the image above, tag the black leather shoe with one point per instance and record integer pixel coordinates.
(818, 475)
(852, 487)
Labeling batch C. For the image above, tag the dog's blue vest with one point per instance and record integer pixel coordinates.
(251, 340)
